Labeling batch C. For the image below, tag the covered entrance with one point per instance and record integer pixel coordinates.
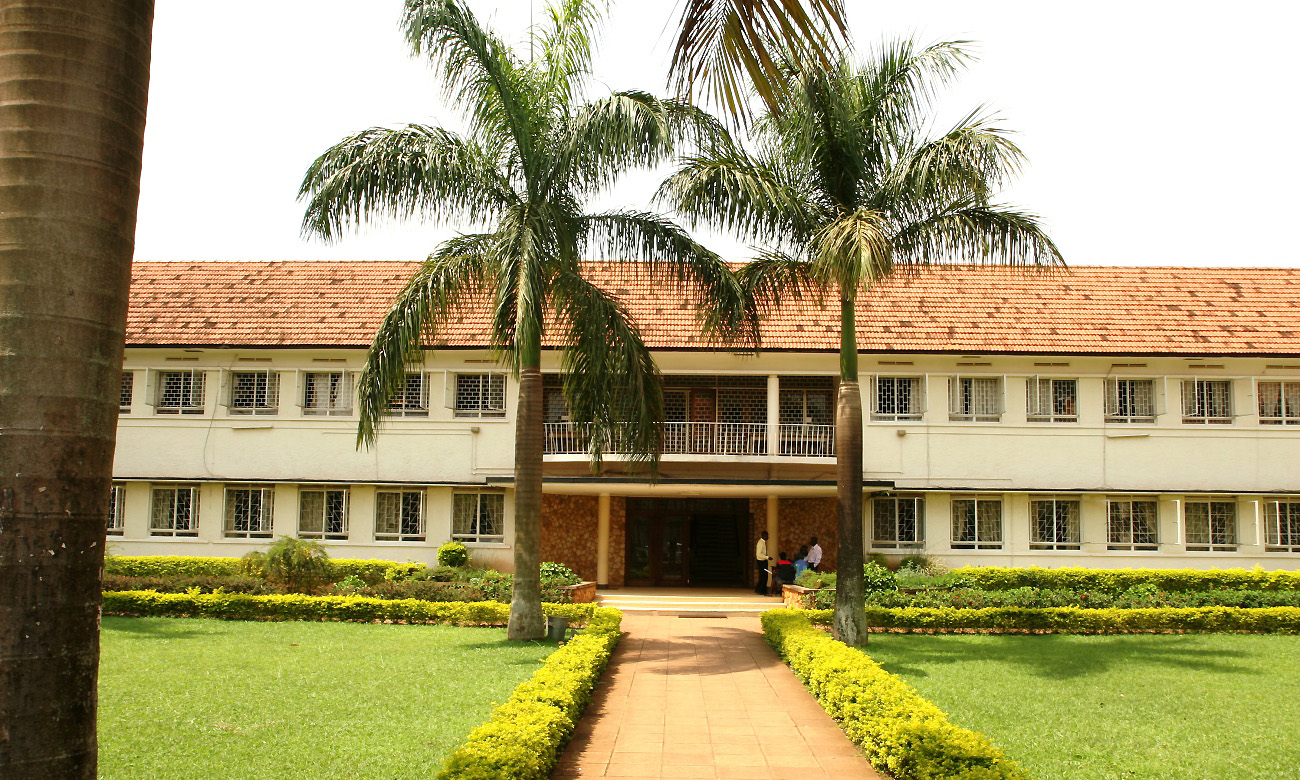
(674, 542)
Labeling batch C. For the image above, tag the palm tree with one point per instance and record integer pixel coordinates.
(846, 189)
(534, 152)
(724, 45)
(75, 84)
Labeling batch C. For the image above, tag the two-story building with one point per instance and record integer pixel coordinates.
(1106, 416)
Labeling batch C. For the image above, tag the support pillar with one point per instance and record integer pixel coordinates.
(773, 414)
(773, 526)
(602, 541)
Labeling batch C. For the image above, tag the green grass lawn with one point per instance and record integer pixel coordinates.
(1164, 707)
(217, 700)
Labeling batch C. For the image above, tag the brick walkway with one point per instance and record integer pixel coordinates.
(705, 697)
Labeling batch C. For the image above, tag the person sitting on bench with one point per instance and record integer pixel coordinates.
(782, 574)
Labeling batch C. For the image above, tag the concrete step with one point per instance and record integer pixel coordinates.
(676, 602)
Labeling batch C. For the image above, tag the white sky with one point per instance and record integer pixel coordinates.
(1155, 130)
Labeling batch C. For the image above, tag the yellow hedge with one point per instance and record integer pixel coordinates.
(1077, 620)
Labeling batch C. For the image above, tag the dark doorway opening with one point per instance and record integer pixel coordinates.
(675, 542)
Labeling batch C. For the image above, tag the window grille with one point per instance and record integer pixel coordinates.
(1055, 524)
(897, 399)
(323, 513)
(1279, 403)
(1210, 526)
(1052, 400)
(254, 392)
(175, 511)
(412, 398)
(399, 515)
(180, 392)
(1131, 525)
(116, 502)
(128, 386)
(975, 399)
(806, 416)
(898, 521)
(480, 395)
(327, 393)
(1130, 400)
(977, 523)
(1282, 526)
(478, 517)
(248, 512)
(1207, 401)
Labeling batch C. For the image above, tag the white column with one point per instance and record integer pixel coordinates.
(602, 540)
(773, 414)
(773, 525)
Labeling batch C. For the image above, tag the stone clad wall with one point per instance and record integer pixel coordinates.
(617, 540)
(569, 532)
(803, 518)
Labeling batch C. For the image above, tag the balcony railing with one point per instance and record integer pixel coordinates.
(707, 438)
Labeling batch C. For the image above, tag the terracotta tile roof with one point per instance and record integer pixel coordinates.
(1094, 309)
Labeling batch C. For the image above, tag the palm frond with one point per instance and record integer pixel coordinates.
(725, 48)
(773, 277)
(453, 276)
(382, 172)
(610, 378)
(971, 232)
(969, 161)
(852, 251)
(566, 42)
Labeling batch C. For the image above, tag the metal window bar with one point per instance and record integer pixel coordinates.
(1279, 403)
(399, 516)
(327, 393)
(1207, 401)
(116, 503)
(897, 399)
(248, 512)
(254, 392)
(175, 512)
(180, 392)
(1131, 525)
(323, 514)
(1052, 400)
(975, 399)
(977, 524)
(478, 517)
(480, 395)
(412, 399)
(897, 521)
(1130, 400)
(1282, 526)
(128, 387)
(1055, 524)
(1210, 526)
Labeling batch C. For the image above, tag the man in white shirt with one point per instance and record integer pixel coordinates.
(761, 559)
(814, 558)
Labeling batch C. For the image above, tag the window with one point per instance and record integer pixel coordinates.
(1130, 401)
(323, 513)
(248, 512)
(412, 398)
(116, 498)
(327, 393)
(1052, 400)
(975, 399)
(1279, 403)
(480, 395)
(180, 392)
(1131, 524)
(1211, 526)
(977, 523)
(1282, 526)
(478, 517)
(254, 392)
(175, 511)
(897, 521)
(805, 415)
(897, 399)
(1207, 401)
(399, 516)
(128, 385)
(1054, 524)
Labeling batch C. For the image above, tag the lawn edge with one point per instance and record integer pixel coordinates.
(1078, 620)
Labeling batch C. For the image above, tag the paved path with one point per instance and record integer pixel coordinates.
(691, 697)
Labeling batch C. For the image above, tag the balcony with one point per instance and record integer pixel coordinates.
(707, 438)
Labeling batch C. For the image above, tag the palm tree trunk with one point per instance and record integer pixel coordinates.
(850, 619)
(74, 80)
(526, 620)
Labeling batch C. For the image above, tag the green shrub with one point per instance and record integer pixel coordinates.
(351, 585)
(1072, 620)
(1116, 581)
(453, 554)
(371, 571)
(558, 574)
(879, 559)
(878, 579)
(523, 738)
(300, 565)
(900, 732)
(184, 583)
(815, 579)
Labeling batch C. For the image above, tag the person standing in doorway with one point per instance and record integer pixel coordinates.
(814, 558)
(761, 560)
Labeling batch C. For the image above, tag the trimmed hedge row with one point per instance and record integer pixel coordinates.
(239, 606)
(1076, 620)
(1118, 580)
(371, 571)
(899, 731)
(523, 738)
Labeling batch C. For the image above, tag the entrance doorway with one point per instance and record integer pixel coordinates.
(676, 542)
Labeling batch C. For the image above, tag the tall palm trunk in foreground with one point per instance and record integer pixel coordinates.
(73, 87)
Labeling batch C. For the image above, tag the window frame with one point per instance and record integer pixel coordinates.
(399, 404)
(270, 393)
(1112, 543)
(1210, 544)
(1036, 540)
(1033, 397)
(1288, 414)
(1113, 403)
(126, 395)
(1274, 539)
(191, 528)
(978, 542)
(482, 411)
(197, 389)
(401, 535)
(961, 404)
(116, 525)
(264, 520)
(1197, 406)
(337, 404)
(480, 496)
(897, 500)
(915, 397)
(324, 533)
